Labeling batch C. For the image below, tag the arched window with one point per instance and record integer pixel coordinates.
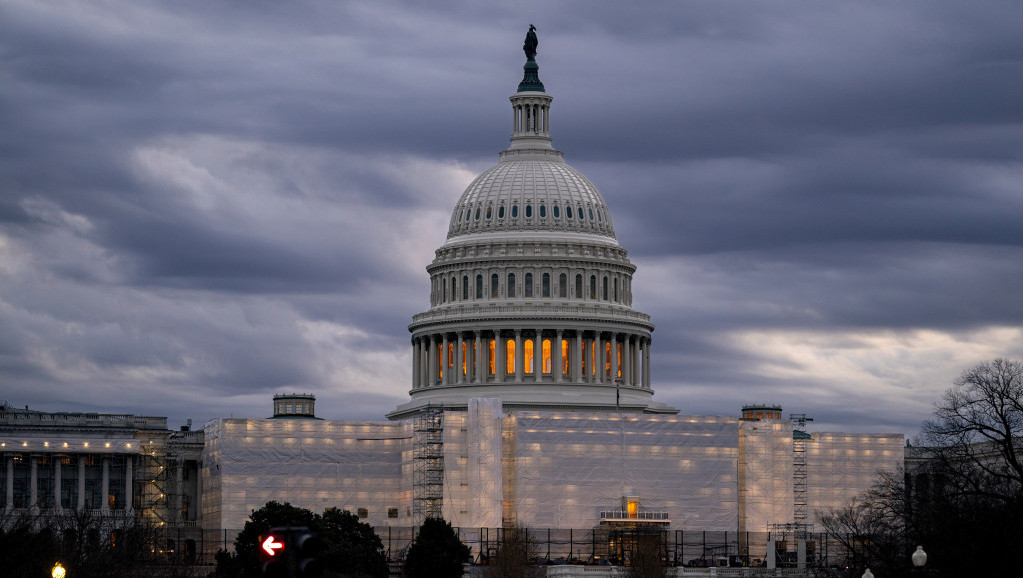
(515, 211)
(568, 211)
(543, 211)
(465, 288)
(454, 288)
(477, 213)
(600, 216)
(490, 211)
(557, 211)
(451, 353)
(580, 209)
(527, 356)
(529, 211)
(511, 284)
(510, 356)
(493, 286)
(546, 284)
(444, 290)
(591, 214)
(491, 360)
(564, 357)
(603, 293)
(616, 290)
(479, 286)
(500, 212)
(528, 288)
(578, 286)
(593, 286)
(546, 347)
(563, 286)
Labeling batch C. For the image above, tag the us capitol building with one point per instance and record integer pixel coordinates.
(531, 403)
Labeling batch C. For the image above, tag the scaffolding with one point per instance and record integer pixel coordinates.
(427, 464)
(799, 439)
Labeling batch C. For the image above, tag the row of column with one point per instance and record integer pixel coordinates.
(58, 481)
(533, 118)
(467, 357)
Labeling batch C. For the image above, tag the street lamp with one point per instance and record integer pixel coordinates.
(58, 571)
(867, 574)
(919, 557)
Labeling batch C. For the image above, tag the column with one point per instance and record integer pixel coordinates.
(614, 358)
(129, 475)
(635, 361)
(646, 363)
(104, 496)
(478, 358)
(538, 356)
(415, 363)
(179, 468)
(627, 359)
(33, 480)
(575, 357)
(556, 354)
(499, 354)
(56, 483)
(599, 355)
(520, 357)
(588, 374)
(432, 355)
(445, 361)
(459, 357)
(81, 482)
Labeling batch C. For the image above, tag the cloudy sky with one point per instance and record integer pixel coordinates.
(206, 203)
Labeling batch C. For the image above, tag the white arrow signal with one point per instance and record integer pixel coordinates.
(271, 545)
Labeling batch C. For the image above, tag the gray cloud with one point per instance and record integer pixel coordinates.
(203, 204)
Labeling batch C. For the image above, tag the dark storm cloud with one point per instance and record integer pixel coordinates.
(219, 201)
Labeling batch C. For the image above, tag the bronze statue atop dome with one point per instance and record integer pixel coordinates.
(530, 45)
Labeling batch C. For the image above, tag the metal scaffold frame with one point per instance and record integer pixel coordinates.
(428, 464)
(799, 439)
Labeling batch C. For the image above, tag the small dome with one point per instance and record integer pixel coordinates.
(537, 193)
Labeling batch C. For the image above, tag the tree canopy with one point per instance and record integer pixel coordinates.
(436, 552)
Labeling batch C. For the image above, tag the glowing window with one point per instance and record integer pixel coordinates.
(564, 357)
(509, 349)
(465, 369)
(607, 359)
(451, 354)
(529, 211)
(620, 352)
(493, 286)
(490, 357)
(563, 286)
(633, 509)
(546, 356)
(527, 356)
(543, 211)
(529, 285)
(557, 211)
(546, 284)
(511, 284)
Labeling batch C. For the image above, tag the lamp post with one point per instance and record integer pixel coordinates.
(919, 557)
(58, 571)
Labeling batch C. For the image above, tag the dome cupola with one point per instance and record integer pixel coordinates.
(531, 294)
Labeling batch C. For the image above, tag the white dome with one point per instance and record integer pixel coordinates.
(537, 193)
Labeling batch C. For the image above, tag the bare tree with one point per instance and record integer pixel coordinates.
(515, 555)
(976, 429)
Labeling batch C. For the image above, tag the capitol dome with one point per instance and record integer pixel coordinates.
(531, 294)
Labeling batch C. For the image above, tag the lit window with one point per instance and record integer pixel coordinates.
(491, 359)
(547, 356)
(564, 357)
(527, 356)
(509, 349)
(451, 354)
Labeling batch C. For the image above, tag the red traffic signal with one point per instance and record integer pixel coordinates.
(271, 545)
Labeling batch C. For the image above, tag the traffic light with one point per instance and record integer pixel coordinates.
(273, 554)
(290, 552)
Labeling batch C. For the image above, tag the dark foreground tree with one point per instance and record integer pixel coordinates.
(350, 547)
(436, 552)
(515, 555)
